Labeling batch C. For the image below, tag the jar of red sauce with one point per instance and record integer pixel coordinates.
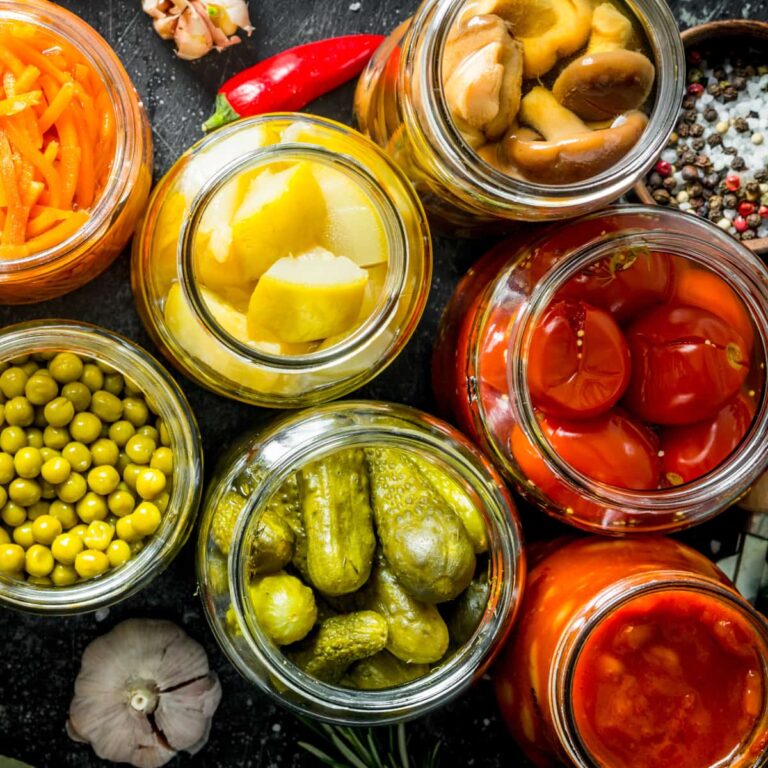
(614, 367)
(635, 653)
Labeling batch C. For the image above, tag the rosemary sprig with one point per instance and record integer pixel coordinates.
(363, 747)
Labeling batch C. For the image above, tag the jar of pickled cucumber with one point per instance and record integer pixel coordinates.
(524, 110)
(100, 467)
(284, 261)
(361, 563)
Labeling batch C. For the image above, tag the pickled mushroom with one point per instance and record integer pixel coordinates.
(611, 29)
(569, 151)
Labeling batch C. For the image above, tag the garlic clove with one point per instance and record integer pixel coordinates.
(184, 715)
(230, 14)
(143, 693)
(157, 9)
(166, 26)
(218, 38)
(193, 36)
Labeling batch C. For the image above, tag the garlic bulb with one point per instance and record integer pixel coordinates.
(144, 692)
(198, 25)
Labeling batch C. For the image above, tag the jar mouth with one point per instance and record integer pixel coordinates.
(661, 33)
(732, 263)
(505, 557)
(151, 378)
(621, 595)
(397, 241)
(104, 62)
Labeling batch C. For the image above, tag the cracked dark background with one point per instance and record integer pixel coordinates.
(39, 657)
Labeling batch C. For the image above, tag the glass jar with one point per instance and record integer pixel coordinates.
(400, 104)
(275, 452)
(203, 346)
(92, 248)
(483, 352)
(653, 630)
(168, 401)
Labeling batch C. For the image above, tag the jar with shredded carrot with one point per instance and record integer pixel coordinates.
(75, 152)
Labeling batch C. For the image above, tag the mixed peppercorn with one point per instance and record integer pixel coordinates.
(85, 468)
(716, 163)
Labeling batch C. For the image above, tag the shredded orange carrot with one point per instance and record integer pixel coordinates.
(57, 139)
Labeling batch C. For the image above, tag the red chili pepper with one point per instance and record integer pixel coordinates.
(288, 81)
(732, 182)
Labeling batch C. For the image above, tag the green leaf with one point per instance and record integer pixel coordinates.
(9, 762)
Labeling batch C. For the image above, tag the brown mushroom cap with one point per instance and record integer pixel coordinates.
(573, 159)
(600, 86)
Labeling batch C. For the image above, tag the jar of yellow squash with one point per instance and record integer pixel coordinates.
(284, 261)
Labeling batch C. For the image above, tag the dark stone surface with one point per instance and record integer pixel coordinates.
(39, 658)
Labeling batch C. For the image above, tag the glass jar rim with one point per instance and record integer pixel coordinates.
(398, 245)
(608, 601)
(505, 554)
(737, 266)
(434, 22)
(117, 85)
(153, 379)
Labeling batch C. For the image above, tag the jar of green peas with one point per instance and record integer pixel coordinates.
(100, 467)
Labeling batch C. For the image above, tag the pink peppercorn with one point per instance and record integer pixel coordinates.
(740, 224)
(694, 57)
(745, 208)
(695, 89)
(763, 211)
(663, 168)
(732, 182)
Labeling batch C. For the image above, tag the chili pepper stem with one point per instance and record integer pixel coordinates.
(222, 114)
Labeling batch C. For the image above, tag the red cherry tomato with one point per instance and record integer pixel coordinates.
(692, 450)
(578, 361)
(686, 365)
(612, 448)
(623, 284)
(700, 288)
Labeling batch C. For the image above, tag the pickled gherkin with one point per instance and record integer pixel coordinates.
(339, 642)
(423, 539)
(338, 521)
(417, 632)
(465, 613)
(225, 519)
(284, 607)
(272, 546)
(382, 671)
(470, 515)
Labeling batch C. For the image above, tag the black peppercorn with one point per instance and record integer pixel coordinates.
(697, 130)
(689, 157)
(729, 94)
(761, 175)
(695, 190)
(655, 180)
(714, 89)
(661, 196)
(690, 172)
(753, 220)
(696, 203)
(702, 161)
(689, 116)
(738, 164)
(669, 183)
(710, 181)
(683, 130)
(710, 114)
(719, 74)
(730, 200)
(714, 140)
(714, 215)
(716, 202)
(739, 83)
(698, 143)
(689, 101)
(730, 150)
(748, 234)
(741, 125)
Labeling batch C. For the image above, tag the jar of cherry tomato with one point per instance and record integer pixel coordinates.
(434, 93)
(614, 368)
(635, 653)
(82, 140)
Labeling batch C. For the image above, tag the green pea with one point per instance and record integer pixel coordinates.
(78, 394)
(103, 480)
(72, 489)
(131, 475)
(104, 451)
(19, 412)
(47, 490)
(37, 510)
(59, 411)
(12, 439)
(140, 449)
(162, 459)
(7, 470)
(104, 367)
(91, 507)
(30, 368)
(2, 412)
(85, 427)
(41, 388)
(56, 437)
(49, 453)
(135, 411)
(24, 492)
(56, 470)
(13, 514)
(121, 432)
(92, 377)
(78, 456)
(113, 383)
(40, 421)
(28, 462)
(131, 390)
(106, 406)
(121, 503)
(149, 431)
(123, 460)
(12, 382)
(65, 513)
(34, 437)
(66, 367)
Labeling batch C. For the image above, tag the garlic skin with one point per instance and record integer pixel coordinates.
(144, 692)
(197, 26)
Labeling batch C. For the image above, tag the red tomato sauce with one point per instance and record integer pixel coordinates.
(669, 679)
